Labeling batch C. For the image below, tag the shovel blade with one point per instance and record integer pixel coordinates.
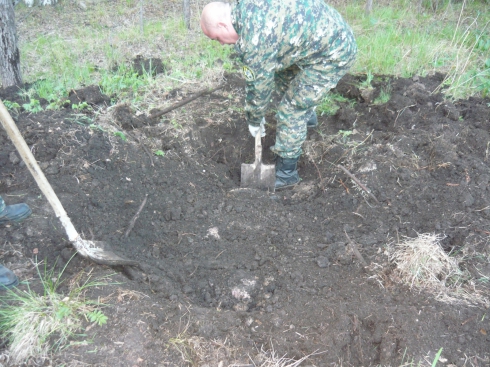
(101, 253)
(268, 176)
(258, 176)
(248, 175)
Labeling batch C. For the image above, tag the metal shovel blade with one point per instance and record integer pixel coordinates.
(97, 251)
(258, 175)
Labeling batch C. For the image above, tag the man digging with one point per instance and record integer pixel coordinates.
(299, 47)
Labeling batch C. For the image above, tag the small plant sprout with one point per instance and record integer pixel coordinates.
(33, 106)
(97, 317)
(80, 106)
(330, 104)
(344, 135)
(97, 127)
(11, 106)
(120, 135)
(367, 83)
(159, 153)
(384, 96)
(175, 124)
(436, 358)
(81, 119)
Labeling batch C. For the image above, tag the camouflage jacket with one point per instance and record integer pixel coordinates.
(275, 34)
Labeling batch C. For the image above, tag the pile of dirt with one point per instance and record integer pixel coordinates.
(228, 273)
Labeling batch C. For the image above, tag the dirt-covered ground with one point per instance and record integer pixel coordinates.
(229, 275)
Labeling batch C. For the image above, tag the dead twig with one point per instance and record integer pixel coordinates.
(354, 178)
(185, 101)
(356, 252)
(135, 218)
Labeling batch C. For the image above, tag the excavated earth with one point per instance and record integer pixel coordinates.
(231, 276)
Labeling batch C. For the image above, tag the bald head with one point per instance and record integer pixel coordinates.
(216, 23)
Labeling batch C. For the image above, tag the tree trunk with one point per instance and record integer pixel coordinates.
(9, 52)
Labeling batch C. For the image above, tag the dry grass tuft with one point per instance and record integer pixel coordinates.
(269, 358)
(423, 264)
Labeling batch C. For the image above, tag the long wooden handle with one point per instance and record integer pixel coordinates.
(24, 151)
(185, 101)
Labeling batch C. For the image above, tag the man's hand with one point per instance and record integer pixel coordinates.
(255, 129)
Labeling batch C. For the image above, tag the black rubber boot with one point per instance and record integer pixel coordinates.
(7, 278)
(286, 172)
(311, 119)
(14, 213)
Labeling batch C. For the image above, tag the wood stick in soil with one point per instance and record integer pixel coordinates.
(185, 101)
(135, 218)
(354, 178)
(356, 252)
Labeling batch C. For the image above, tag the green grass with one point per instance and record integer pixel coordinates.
(36, 324)
(400, 39)
(384, 95)
(99, 49)
(98, 45)
(331, 104)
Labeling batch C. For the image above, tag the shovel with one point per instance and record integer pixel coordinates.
(258, 175)
(96, 251)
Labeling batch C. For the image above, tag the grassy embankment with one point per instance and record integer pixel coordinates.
(67, 47)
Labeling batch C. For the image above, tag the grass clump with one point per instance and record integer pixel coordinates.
(36, 324)
(422, 264)
(331, 104)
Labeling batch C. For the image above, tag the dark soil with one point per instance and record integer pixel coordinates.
(228, 272)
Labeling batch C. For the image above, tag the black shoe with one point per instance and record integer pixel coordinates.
(14, 213)
(7, 278)
(311, 119)
(286, 172)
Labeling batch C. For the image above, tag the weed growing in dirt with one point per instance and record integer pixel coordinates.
(384, 96)
(33, 106)
(120, 135)
(36, 324)
(123, 82)
(422, 264)
(81, 106)
(81, 119)
(330, 104)
(11, 106)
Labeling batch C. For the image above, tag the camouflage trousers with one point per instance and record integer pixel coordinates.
(2, 204)
(303, 88)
